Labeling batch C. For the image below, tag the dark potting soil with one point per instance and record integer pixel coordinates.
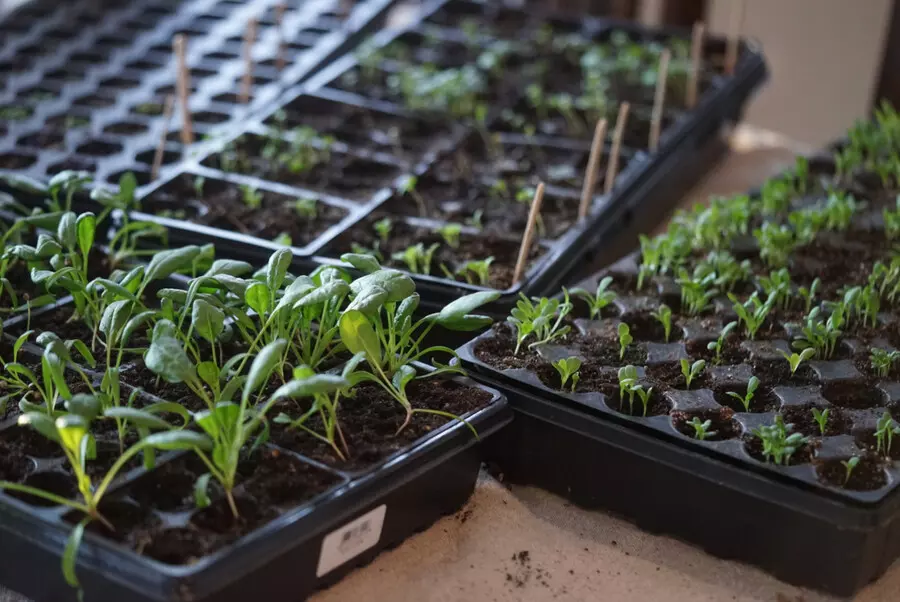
(222, 205)
(403, 235)
(370, 420)
(868, 475)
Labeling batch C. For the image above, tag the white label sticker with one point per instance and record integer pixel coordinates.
(351, 540)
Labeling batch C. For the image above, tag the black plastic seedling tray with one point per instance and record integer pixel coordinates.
(423, 145)
(85, 83)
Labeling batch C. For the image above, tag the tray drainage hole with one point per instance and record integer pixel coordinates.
(754, 447)
(16, 161)
(125, 128)
(54, 482)
(657, 405)
(722, 424)
(148, 108)
(120, 83)
(853, 395)
(220, 56)
(168, 157)
(99, 148)
(94, 101)
(51, 140)
(38, 94)
(73, 163)
(15, 113)
(210, 117)
(868, 475)
(763, 399)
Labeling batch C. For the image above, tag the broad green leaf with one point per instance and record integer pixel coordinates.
(232, 386)
(201, 491)
(164, 328)
(312, 385)
(398, 285)
(178, 440)
(229, 267)
(79, 346)
(42, 423)
(235, 286)
(358, 335)
(133, 324)
(405, 310)
(137, 417)
(222, 418)
(127, 185)
(334, 289)
(352, 364)
(113, 287)
(257, 297)
(364, 263)
(72, 428)
(56, 368)
(65, 230)
(84, 405)
(208, 372)
(86, 225)
(24, 184)
(70, 554)
(300, 287)
(277, 268)
(166, 357)
(462, 306)
(208, 321)
(165, 263)
(403, 376)
(114, 318)
(266, 361)
(369, 300)
(467, 323)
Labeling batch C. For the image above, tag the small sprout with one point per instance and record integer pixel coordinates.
(283, 239)
(883, 360)
(307, 208)
(809, 294)
(541, 317)
(198, 184)
(598, 300)
(745, 400)
(795, 359)
(664, 316)
(752, 313)
(417, 258)
(383, 228)
(821, 418)
(474, 271)
(568, 369)
(450, 234)
(719, 344)
(885, 430)
(691, 371)
(625, 338)
(779, 444)
(409, 188)
(477, 220)
(251, 197)
(627, 380)
(849, 465)
(701, 429)
(643, 395)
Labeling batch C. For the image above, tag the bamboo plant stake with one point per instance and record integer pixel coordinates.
(249, 40)
(698, 37)
(279, 24)
(183, 84)
(528, 236)
(161, 147)
(734, 36)
(612, 169)
(659, 99)
(590, 174)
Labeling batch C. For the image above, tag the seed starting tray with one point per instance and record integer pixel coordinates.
(403, 144)
(85, 83)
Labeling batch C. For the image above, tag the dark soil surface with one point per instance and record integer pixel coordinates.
(222, 205)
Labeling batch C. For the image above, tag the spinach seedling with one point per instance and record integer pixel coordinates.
(625, 338)
(794, 360)
(778, 442)
(885, 429)
(409, 188)
(568, 368)
(822, 336)
(663, 315)
(599, 299)
(883, 360)
(308, 208)
(691, 371)
(701, 429)
(417, 258)
(809, 294)
(383, 229)
(474, 271)
(643, 394)
(719, 343)
(628, 377)
(747, 398)
(849, 465)
(821, 418)
(752, 313)
(450, 233)
(541, 318)
(251, 197)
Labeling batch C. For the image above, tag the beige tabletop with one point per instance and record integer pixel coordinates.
(525, 545)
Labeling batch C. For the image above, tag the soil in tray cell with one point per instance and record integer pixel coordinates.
(306, 162)
(424, 250)
(244, 209)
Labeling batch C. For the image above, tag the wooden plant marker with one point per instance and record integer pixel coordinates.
(590, 174)
(161, 147)
(698, 37)
(612, 170)
(659, 99)
(183, 85)
(249, 40)
(733, 45)
(529, 233)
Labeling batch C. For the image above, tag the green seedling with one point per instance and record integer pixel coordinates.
(779, 443)
(308, 208)
(643, 394)
(625, 338)
(691, 371)
(541, 319)
(719, 344)
(251, 197)
(599, 299)
(701, 429)
(809, 294)
(849, 466)
(752, 313)
(450, 233)
(628, 377)
(383, 229)
(885, 430)
(795, 360)
(663, 315)
(417, 258)
(821, 418)
(568, 369)
(747, 398)
(883, 360)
